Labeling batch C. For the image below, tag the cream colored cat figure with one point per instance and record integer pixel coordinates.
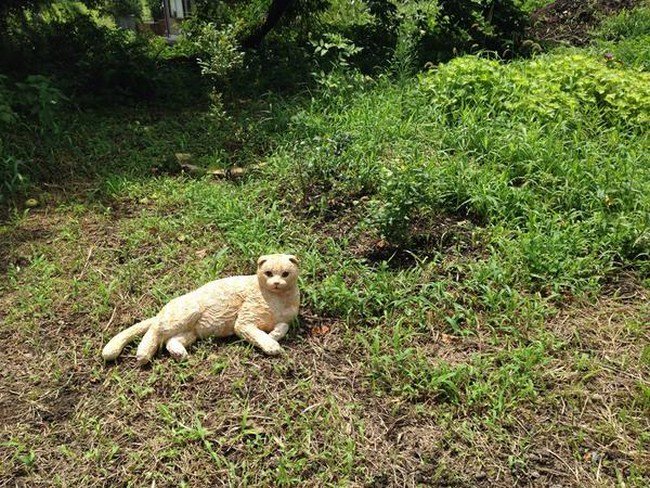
(258, 308)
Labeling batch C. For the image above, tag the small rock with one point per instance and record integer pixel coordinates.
(192, 170)
(237, 172)
(183, 158)
(596, 457)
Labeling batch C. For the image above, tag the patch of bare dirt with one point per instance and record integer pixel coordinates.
(426, 237)
(573, 21)
(39, 227)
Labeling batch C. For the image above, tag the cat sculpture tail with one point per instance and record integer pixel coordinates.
(117, 343)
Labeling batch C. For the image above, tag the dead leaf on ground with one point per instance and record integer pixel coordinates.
(319, 330)
(447, 339)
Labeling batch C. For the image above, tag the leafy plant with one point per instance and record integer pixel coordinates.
(11, 176)
(624, 39)
(156, 8)
(90, 62)
(123, 8)
(403, 192)
(418, 32)
(336, 48)
(32, 105)
(216, 47)
(548, 88)
(38, 97)
(7, 113)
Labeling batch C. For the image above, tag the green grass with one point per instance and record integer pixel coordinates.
(474, 249)
(626, 38)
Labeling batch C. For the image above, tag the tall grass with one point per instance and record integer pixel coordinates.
(549, 155)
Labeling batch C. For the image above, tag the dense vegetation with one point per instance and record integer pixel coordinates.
(472, 212)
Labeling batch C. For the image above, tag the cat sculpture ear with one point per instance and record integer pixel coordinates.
(294, 259)
(262, 260)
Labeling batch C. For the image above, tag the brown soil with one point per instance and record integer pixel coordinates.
(572, 21)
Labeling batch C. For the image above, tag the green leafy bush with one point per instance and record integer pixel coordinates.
(412, 34)
(549, 88)
(404, 191)
(31, 106)
(91, 63)
(12, 177)
(123, 8)
(7, 114)
(471, 25)
(545, 159)
(39, 99)
(216, 47)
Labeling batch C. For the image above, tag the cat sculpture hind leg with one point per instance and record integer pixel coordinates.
(176, 345)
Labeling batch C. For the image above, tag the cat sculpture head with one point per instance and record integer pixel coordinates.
(277, 272)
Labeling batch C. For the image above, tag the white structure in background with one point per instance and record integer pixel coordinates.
(179, 9)
(175, 11)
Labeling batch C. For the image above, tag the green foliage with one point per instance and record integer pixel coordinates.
(33, 107)
(38, 98)
(216, 47)
(625, 38)
(156, 8)
(550, 88)
(532, 5)
(7, 113)
(91, 63)
(626, 24)
(11, 176)
(411, 34)
(488, 386)
(548, 154)
(123, 8)
(336, 76)
(451, 229)
(468, 25)
(403, 192)
(337, 48)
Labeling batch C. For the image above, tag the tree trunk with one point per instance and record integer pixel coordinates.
(273, 16)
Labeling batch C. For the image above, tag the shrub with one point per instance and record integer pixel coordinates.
(30, 106)
(429, 31)
(89, 62)
(39, 99)
(12, 178)
(215, 47)
(7, 114)
(404, 190)
(626, 25)
(550, 88)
